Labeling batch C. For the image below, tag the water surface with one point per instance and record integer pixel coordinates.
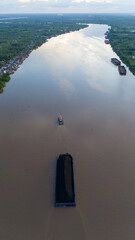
(70, 75)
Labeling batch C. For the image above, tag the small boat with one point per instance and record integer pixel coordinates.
(122, 70)
(107, 41)
(115, 61)
(60, 120)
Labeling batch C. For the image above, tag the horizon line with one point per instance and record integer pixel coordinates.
(58, 13)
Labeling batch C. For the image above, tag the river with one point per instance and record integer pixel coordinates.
(71, 75)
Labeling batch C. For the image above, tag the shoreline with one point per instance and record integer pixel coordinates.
(13, 64)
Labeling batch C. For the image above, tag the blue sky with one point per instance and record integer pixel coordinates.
(67, 6)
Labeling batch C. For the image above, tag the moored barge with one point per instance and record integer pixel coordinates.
(122, 70)
(106, 33)
(115, 61)
(107, 41)
(64, 192)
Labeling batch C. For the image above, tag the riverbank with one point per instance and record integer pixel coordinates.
(3, 79)
(31, 32)
(19, 37)
(123, 43)
(121, 35)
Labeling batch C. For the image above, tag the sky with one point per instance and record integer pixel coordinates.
(67, 6)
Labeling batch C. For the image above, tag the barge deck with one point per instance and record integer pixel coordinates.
(122, 70)
(115, 61)
(64, 192)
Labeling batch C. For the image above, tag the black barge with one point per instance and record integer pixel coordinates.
(122, 70)
(115, 61)
(64, 192)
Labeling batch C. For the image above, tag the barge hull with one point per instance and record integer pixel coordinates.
(65, 204)
(64, 192)
(122, 70)
(115, 61)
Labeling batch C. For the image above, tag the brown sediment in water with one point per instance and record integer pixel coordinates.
(98, 109)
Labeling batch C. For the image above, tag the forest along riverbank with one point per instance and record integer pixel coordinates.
(97, 105)
(26, 35)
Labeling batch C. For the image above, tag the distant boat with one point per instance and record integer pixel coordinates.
(106, 32)
(122, 70)
(115, 61)
(107, 41)
(60, 120)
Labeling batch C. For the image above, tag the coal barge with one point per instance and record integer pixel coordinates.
(115, 61)
(122, 70)
(64, 192)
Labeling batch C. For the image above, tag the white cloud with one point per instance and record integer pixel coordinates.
(23, 6)
(40, 0)
(27, 1)
(67, 6)
(98, 1)
(24, 1)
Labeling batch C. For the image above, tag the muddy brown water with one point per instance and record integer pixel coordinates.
(70, 75)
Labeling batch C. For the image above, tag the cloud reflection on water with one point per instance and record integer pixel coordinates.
(81, 53)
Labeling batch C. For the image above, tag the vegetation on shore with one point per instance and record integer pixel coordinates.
(121, 34)
(17, 32)
(20, 34)
(4, 78)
